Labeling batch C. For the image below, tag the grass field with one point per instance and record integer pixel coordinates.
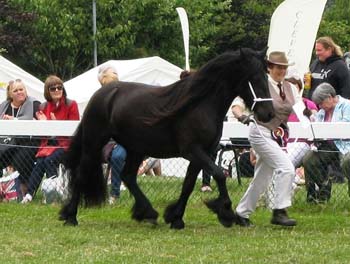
(32, 234)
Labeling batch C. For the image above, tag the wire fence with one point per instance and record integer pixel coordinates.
(321, 176)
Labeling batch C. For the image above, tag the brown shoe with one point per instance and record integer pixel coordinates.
(281, 218)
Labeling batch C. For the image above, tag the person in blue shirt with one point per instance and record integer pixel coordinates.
(319, 165)
(115, 154)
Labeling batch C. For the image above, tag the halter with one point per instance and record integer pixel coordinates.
(256, 99)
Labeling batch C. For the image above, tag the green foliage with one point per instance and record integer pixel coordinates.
(14, 32)
(248, 25)
(61, 38)
(63, 41)
(336, 23)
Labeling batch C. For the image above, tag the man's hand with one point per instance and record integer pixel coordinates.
(307, 112)
(244, 119)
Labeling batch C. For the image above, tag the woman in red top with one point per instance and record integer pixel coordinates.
(50, 152)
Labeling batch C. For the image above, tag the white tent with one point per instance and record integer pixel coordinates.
(152, 70)
(10, 71)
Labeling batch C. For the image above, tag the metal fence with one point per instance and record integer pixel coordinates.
(323, 182)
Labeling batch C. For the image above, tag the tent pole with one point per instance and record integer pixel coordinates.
(94, 30)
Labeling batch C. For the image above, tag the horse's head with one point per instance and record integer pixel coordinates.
(255, 89)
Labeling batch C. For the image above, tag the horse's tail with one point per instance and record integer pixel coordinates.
(86, 177)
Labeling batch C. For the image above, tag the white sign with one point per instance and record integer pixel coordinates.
(293, 29)
(186, 34)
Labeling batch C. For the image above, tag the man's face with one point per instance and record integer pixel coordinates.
(278, 72)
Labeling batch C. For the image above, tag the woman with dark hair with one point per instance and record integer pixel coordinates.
(50, 152)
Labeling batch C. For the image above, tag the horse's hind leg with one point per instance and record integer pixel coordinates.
(142, 209)
(174, 212)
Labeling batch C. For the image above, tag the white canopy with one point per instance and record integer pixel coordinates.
(152, 70)
(10, 71)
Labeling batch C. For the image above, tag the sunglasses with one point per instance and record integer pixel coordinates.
(56, 88)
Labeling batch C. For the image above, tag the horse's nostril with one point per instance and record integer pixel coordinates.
(271, 115)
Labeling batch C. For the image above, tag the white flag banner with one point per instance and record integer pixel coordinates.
(186, 34)
(293, 29)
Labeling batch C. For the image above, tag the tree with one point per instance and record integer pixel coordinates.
(62, 39)
(13, 37)
(336, 23)
(248, 25)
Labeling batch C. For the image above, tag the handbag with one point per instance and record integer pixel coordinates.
(55, 188)
(6, 143)
(9, 187)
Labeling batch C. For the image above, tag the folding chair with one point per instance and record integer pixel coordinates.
(236, 145)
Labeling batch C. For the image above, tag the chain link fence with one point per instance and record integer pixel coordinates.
(320, 174)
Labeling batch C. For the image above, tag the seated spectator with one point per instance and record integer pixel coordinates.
(50, 152)
(239, 112)
(115, 154)
(150, 166)
(333, 108)
(18, 105)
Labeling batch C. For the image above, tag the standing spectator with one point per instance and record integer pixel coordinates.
(50, 152)
(19, 106)
(329, 67)
(206, 177)
(114, 153)
(347, 59)
(266, 140)
(333, 108)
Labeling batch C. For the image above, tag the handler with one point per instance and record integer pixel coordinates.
(267, 139)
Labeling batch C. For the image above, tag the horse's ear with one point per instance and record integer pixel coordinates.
(262, 53)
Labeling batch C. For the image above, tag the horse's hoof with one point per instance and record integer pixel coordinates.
(213, 205)
(226, 222)
(71, 222)
(177, 224)
(224, 212)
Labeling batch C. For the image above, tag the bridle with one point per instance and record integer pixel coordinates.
(256, 99)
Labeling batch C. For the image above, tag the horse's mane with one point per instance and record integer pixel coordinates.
(209, 79)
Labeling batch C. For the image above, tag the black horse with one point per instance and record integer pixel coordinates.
(184, 119)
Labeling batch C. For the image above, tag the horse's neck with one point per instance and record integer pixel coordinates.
(222, 102)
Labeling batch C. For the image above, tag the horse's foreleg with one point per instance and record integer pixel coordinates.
(175, 211)
(222, 205)
(142, 209)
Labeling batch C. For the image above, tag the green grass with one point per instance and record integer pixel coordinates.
(32, 234)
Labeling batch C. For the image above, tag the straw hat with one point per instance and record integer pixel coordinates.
(278, 58)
